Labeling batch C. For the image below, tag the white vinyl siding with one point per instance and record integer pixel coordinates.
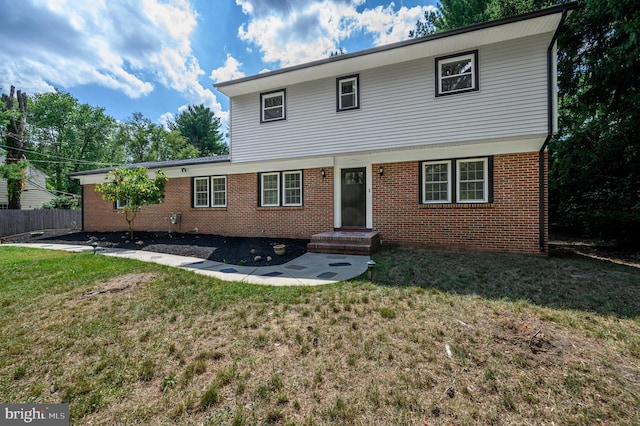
(399, 109)
(201, 192)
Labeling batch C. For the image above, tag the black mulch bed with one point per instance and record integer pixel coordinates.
(232, 250)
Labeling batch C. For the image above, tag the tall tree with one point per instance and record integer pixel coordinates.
(451, 14)
(595, 169)
(14, 114)
(143, 140)
(67, 136)
(199, 125)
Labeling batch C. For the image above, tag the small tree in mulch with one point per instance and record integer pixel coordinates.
(133, 188)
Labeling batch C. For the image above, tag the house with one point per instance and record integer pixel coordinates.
(35, 192)
(435, 141)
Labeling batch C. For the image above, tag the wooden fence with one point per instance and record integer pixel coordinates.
(14, 222)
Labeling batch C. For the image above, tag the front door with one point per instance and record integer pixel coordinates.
(354, 198)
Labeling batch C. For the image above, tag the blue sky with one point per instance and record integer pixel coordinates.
(157, 57)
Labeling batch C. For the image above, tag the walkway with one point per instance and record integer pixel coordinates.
(309, 269)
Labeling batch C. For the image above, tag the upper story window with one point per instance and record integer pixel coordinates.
(456, 74)
(210, 191)
(273, 106)
(281, 189)
(457, 181)
(348, 93)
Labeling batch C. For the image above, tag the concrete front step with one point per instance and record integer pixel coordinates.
(343, 242)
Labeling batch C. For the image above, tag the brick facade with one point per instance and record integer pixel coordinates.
(242, 217)
(509, 223)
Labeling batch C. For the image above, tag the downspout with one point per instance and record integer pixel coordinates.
(541, 219)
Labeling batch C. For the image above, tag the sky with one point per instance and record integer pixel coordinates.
(159, 56)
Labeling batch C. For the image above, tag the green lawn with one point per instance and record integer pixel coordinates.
(437, 338)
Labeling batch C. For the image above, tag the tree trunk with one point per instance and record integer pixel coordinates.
(15, 144)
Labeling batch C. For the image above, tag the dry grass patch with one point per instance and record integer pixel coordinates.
(184, 349)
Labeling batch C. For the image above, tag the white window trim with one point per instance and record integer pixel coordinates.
(424, 182)
(262, 199)
(263, 97)
(195, 192)
(356, 92)
(284, 189)
(485, 177)
(473, 56)
(213, 192)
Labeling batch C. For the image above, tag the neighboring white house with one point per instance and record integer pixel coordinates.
(35, 193)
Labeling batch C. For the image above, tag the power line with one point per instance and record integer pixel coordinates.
(56, 156)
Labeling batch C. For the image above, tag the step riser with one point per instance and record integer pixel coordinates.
(344, 243)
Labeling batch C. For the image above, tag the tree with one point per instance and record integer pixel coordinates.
(143, 140)
(67, 136)
(595, 160)
(199, 125)
(14, 116)
(133, 188)
(452, 14)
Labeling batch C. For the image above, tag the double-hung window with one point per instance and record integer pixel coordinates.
(281, 189)
(201, 192)
(456, 181)
(473, 181)
(456, 74)
(273, 106)
(436, 182)
(219, 191)
(210, 191)
(348, 93)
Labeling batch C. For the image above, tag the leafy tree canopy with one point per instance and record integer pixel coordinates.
(133, 188)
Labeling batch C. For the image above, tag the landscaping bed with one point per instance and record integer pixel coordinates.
(232, 250)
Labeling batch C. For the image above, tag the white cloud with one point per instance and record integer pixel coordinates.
(290, 32)
(122, 45)
(229, 71)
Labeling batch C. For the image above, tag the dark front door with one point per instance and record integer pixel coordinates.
(354, 196)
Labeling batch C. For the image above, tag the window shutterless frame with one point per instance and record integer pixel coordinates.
(436, 182)
(201, 194)
(472, 180)
(348, 93)
(292, 188)
(218, 191)
(270, 189)
(273, 106)
(280, 189)
(458, 181)
(457, 73)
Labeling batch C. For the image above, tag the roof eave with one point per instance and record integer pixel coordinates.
(335, 65)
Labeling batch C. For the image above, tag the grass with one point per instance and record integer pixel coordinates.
(437, 338)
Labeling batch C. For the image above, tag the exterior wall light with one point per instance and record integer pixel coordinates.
(323, 173)
(381, 170)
